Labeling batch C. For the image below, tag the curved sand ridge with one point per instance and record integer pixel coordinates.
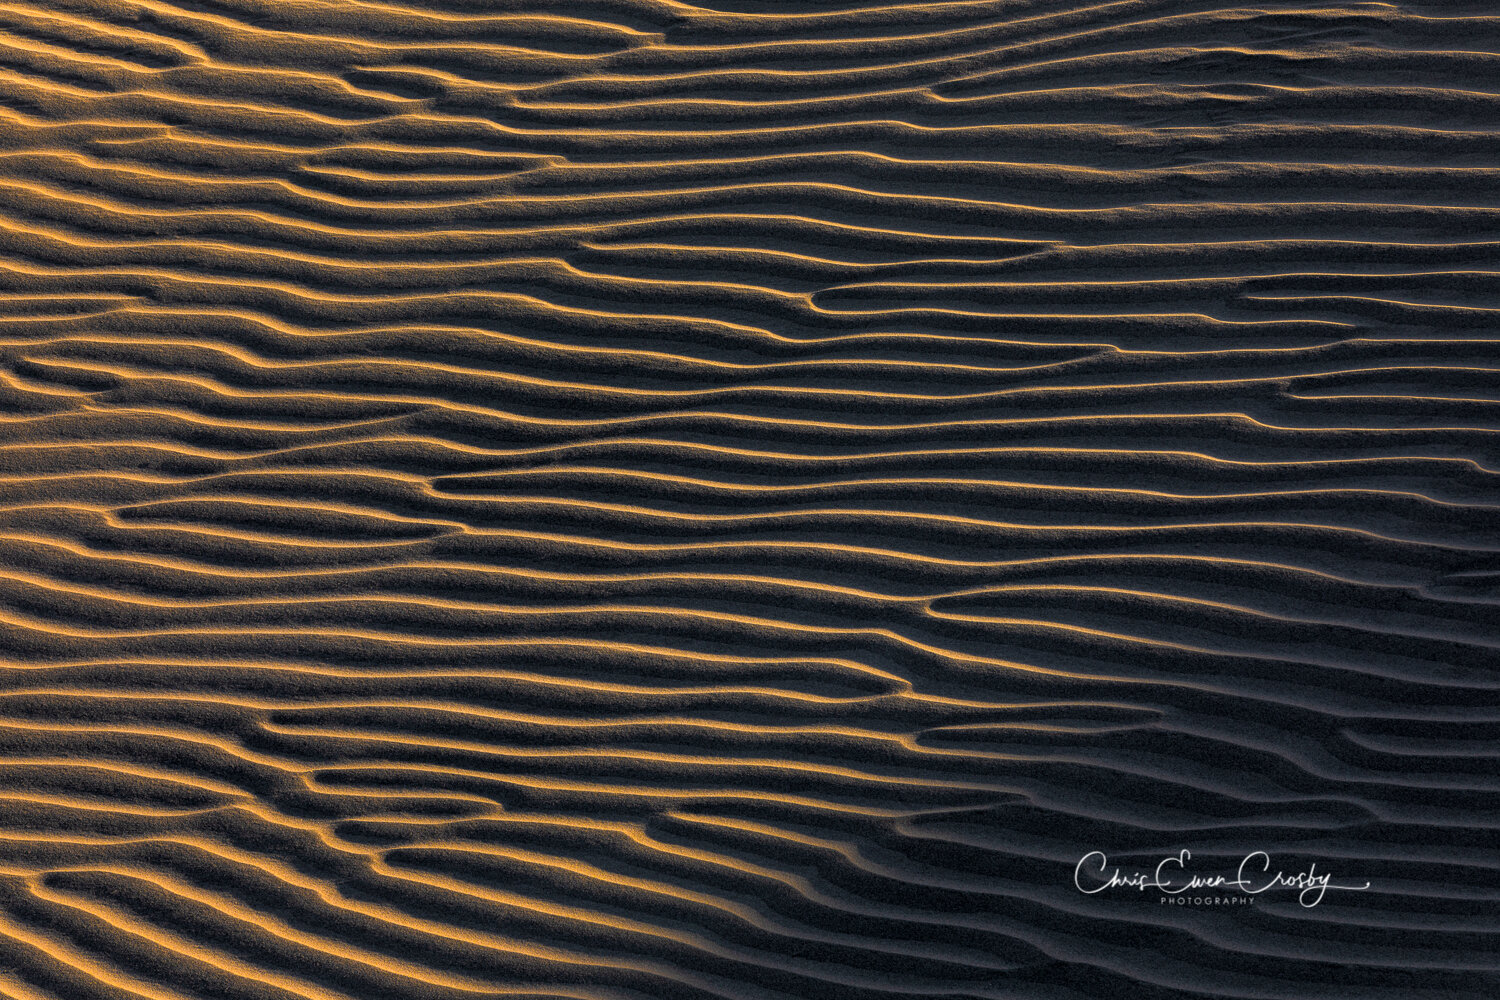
(621, 499)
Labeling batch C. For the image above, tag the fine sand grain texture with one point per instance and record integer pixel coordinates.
(624, 500)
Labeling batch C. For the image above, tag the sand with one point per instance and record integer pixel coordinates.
(624, 500)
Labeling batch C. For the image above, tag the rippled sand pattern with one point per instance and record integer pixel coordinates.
(620, 500)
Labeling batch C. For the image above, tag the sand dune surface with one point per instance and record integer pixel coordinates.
(626, 500)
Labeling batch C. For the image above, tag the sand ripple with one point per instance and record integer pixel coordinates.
(619, 499)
